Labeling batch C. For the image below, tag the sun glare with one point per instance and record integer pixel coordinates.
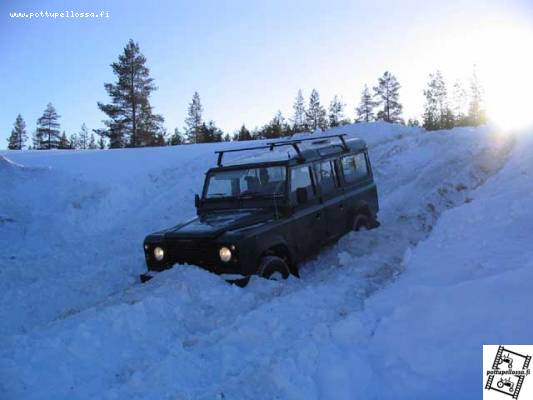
(506, 73)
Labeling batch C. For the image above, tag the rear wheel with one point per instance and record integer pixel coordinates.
(273, 268)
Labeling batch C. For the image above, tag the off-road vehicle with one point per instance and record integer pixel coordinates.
(266, 214)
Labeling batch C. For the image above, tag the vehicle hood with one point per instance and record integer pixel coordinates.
(215, 223)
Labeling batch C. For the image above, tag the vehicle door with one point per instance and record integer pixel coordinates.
(308, 222)
(331, 197)
(359, 187)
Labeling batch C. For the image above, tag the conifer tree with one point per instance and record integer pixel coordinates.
(92, 143)
(476, 115)
(18, 137)
(299, 116)
(365, 110)
(101, 143)
(336, 112)
(176, 138)
(47, 135)
(459, 104)
(387, 95)
(209, 133)
(63, 142)
(74, 141)
(193, 122)
(437, 113)
(83, 137)
(131, 120)
(316, 114)
(243, 134)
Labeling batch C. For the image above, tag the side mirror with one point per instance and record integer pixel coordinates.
(196, 200)
(301, 195)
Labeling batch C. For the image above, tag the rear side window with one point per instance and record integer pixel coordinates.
(326, 177)
(301, 178)
(354, 168)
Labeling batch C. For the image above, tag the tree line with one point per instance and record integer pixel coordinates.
(131, 121)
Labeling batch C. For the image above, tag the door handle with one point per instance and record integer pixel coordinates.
(341, 206)
(317, 215)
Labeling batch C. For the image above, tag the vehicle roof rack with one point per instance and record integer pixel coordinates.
(292, 142)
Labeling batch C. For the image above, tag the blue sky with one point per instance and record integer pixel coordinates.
(247, 59)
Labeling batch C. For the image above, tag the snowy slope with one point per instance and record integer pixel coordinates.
(368, 318)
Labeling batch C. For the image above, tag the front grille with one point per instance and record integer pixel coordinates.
(193, 252)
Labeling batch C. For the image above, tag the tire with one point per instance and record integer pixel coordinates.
(273, 268)
(361, 222)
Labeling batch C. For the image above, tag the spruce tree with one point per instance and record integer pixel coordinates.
(74, 141)
(63, 142)
(365, 110)
(459, 104)
(209, 133)
(299, 116)
(336, 112)
(316, 114)
(83, 137)
(92, 143)
(437, 112)
(476, 115)
(131, 120)
(193, 122)
(176, 138)
(387, 97)
(244, 134)
(47, 135)
(18, 137)
(101, 143)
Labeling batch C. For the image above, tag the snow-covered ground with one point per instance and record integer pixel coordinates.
(401, 311)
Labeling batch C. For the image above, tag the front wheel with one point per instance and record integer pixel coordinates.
(361, 222)
(273, 268)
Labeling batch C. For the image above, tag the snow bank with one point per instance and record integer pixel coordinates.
(368, 318)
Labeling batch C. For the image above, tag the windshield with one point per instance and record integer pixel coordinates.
(261, 182)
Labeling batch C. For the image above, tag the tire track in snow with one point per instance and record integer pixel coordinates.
(212, 338)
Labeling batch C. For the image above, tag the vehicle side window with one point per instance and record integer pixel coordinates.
(326, 177)
(354, 168)
(301, 178)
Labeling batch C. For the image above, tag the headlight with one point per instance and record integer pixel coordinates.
(159, 253)
(225, 254)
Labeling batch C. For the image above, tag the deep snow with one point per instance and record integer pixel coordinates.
(397, 312)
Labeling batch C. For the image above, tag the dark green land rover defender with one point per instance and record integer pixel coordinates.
(264, 216)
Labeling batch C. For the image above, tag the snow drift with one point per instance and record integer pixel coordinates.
(396, 312)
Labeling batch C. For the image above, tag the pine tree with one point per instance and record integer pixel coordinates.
(316, 114)
(460, 105)
(131, 120)
(92, 143)
(227, 138)
(209, 133)
(193, 122)
(336, 112)
(437, 113)
(83, 138)
(387, 95)
(18, 137)
(74, 141)
(476, 115)
(243, 134)
(47, 135)
(176, 138)
(63, 142)
(413, 123)
(365, 110)
(299, 116)
(101, 143)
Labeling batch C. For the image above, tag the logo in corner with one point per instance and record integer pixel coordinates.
(506, 370)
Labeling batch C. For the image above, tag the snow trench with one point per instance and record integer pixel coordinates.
(89, 331)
